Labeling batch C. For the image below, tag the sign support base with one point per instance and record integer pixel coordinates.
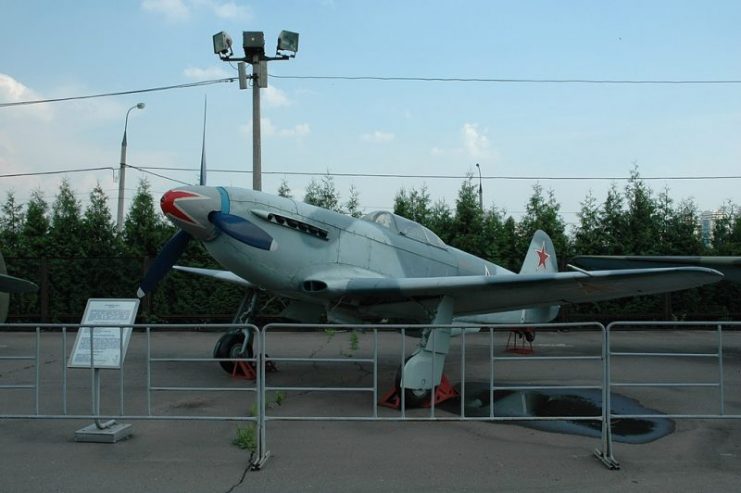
(111, 434)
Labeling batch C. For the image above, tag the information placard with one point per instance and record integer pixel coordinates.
(108, 349)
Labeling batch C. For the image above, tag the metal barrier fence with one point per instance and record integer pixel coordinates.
(431, 415)
(377, 358)
(715, 328)
(63, 412)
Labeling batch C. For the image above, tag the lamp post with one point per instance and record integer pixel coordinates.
(122, 171)
(253, 43)
(481, 189)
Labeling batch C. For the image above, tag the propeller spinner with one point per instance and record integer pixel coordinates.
(197, 211)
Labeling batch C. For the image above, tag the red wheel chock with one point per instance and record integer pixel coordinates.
(243, 369)
(443, 392)
(246, 370)
(527, 335)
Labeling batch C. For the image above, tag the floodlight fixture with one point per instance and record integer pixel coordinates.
(222, 44)
(253, 43)
(287, 41)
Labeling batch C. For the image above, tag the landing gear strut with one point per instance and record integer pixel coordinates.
(423, 371)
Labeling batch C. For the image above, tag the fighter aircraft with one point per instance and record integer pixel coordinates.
(11, 284)
(381, 267)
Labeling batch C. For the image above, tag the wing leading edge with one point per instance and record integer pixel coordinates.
(221, 275)
(489, 294)
(729, 266)
(486, 294)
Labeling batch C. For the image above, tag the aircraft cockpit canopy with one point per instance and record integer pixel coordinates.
(405, 227)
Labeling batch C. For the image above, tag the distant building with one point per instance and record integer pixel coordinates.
(707, 224)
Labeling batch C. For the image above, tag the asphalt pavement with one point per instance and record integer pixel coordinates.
(198, 456)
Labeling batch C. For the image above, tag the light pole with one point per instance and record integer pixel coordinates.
(481, 189)
(122, 171)
(253, 43)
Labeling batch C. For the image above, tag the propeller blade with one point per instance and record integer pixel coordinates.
(242, 230)
(164, 262)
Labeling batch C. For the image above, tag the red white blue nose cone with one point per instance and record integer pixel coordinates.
(189, 207)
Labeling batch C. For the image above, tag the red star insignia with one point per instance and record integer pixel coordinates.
(168, 204)
(543, 257)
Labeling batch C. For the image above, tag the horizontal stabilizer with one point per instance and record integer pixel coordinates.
(10, 284)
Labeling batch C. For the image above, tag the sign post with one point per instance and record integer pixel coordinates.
(101, 343)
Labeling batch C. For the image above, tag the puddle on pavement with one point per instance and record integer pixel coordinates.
(565, 402)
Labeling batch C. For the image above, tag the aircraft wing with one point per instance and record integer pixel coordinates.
(486, 294)
(729, 266)
(221, 275)
(10, 284)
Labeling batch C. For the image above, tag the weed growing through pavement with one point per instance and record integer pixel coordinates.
(246, 436)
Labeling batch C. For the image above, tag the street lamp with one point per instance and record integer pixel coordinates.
(481, 189)
(253, 43)
(122, 170)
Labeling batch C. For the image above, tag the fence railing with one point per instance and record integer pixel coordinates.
(382, 351)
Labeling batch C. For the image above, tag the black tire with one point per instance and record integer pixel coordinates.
(230, 346)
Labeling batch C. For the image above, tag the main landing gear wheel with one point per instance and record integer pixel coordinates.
(230, 346)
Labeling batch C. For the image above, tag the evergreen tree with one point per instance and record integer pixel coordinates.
(681, 236)
(735, 236)
(414, 205)
(353, 203)
(441, 221)
(510, 256)
(468, 221)
(144, 232)
(105, 270)
(284, 190)
(68, 276)
(33, 242)
(587, 237)
(65, 231)
(492, 235)
(542, 212)
(323, 194)
(723, 229)
(643, 227)
(98, 228)
(613, 225)
(11, 226)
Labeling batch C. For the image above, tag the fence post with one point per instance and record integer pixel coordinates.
(262, 450)
(605, 455)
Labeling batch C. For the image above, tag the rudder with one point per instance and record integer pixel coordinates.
(540, 256)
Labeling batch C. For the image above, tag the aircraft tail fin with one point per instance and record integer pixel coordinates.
(540, 256)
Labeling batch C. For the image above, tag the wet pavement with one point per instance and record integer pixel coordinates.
(559, 403)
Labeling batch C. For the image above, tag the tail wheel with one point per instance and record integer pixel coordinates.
(412, 397)
(230, 346)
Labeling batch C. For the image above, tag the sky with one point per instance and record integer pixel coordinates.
(58, 49)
